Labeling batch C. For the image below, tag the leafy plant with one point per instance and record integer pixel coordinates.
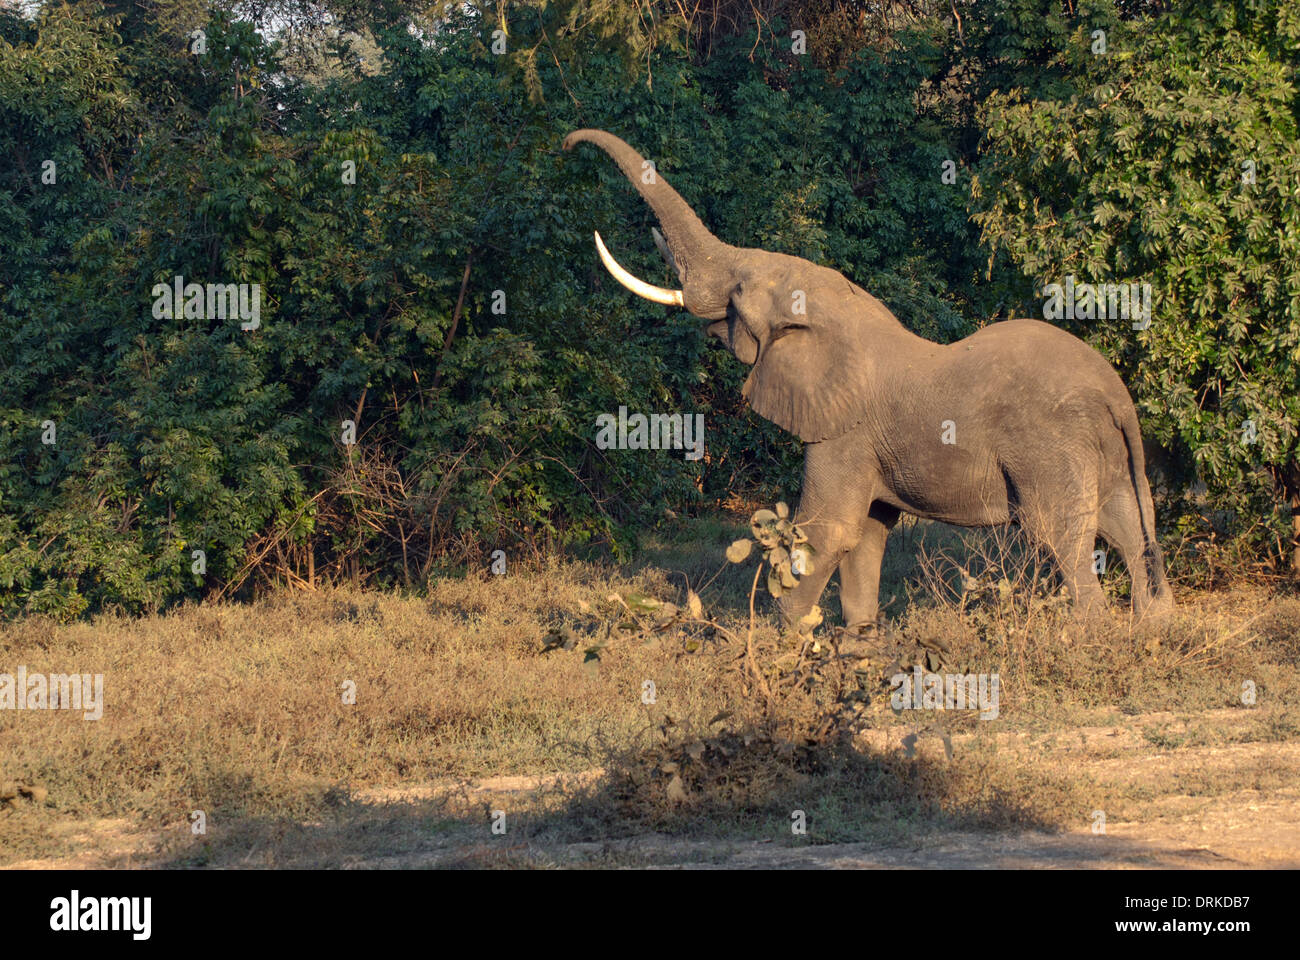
(1172, 160)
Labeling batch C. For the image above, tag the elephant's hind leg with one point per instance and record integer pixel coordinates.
(1065, 521)
(1121, 525)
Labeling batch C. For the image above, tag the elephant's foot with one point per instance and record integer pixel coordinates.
(861, 645)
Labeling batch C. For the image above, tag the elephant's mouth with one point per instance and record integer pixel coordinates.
(737, 337)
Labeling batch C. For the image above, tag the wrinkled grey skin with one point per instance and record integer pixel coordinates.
(1046, 434)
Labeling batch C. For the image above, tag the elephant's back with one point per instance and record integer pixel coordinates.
(1015, 348)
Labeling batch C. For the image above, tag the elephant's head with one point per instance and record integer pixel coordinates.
(805, 329)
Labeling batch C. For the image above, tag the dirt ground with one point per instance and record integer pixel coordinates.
(1246, 828)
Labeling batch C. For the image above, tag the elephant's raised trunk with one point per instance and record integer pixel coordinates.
(704, 262)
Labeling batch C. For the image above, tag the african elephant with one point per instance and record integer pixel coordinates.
(1018, 423)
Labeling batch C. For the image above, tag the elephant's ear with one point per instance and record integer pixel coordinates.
(814, 380)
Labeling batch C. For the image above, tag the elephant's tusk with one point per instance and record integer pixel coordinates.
(667, 254)
(669, 298)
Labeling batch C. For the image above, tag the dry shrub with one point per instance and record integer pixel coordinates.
(1204, 559)
(995, 598)
(782, 738)
(748, 778)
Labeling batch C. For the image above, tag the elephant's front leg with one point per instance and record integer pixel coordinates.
(860, 572)
(836, 500)
(828, 542)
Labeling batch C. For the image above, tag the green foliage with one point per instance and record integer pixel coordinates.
(382, 297)
(1136, 170)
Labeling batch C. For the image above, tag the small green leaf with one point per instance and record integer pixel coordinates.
(739, 551)
(642, 603)
(788, 579)
(762, 524)
(774, 584)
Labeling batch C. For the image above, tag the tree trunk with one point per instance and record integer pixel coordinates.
(1291, 488)
(455, 320)
(1295, 536)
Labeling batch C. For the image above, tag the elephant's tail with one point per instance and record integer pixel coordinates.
(1150, 592)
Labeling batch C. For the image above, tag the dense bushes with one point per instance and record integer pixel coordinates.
(1173, 159)
(370, 194)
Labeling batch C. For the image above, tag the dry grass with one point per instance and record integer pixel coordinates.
(237, 710)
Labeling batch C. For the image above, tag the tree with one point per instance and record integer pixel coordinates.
(1172, 159)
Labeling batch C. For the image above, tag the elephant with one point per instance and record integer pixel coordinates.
(1018, 423)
